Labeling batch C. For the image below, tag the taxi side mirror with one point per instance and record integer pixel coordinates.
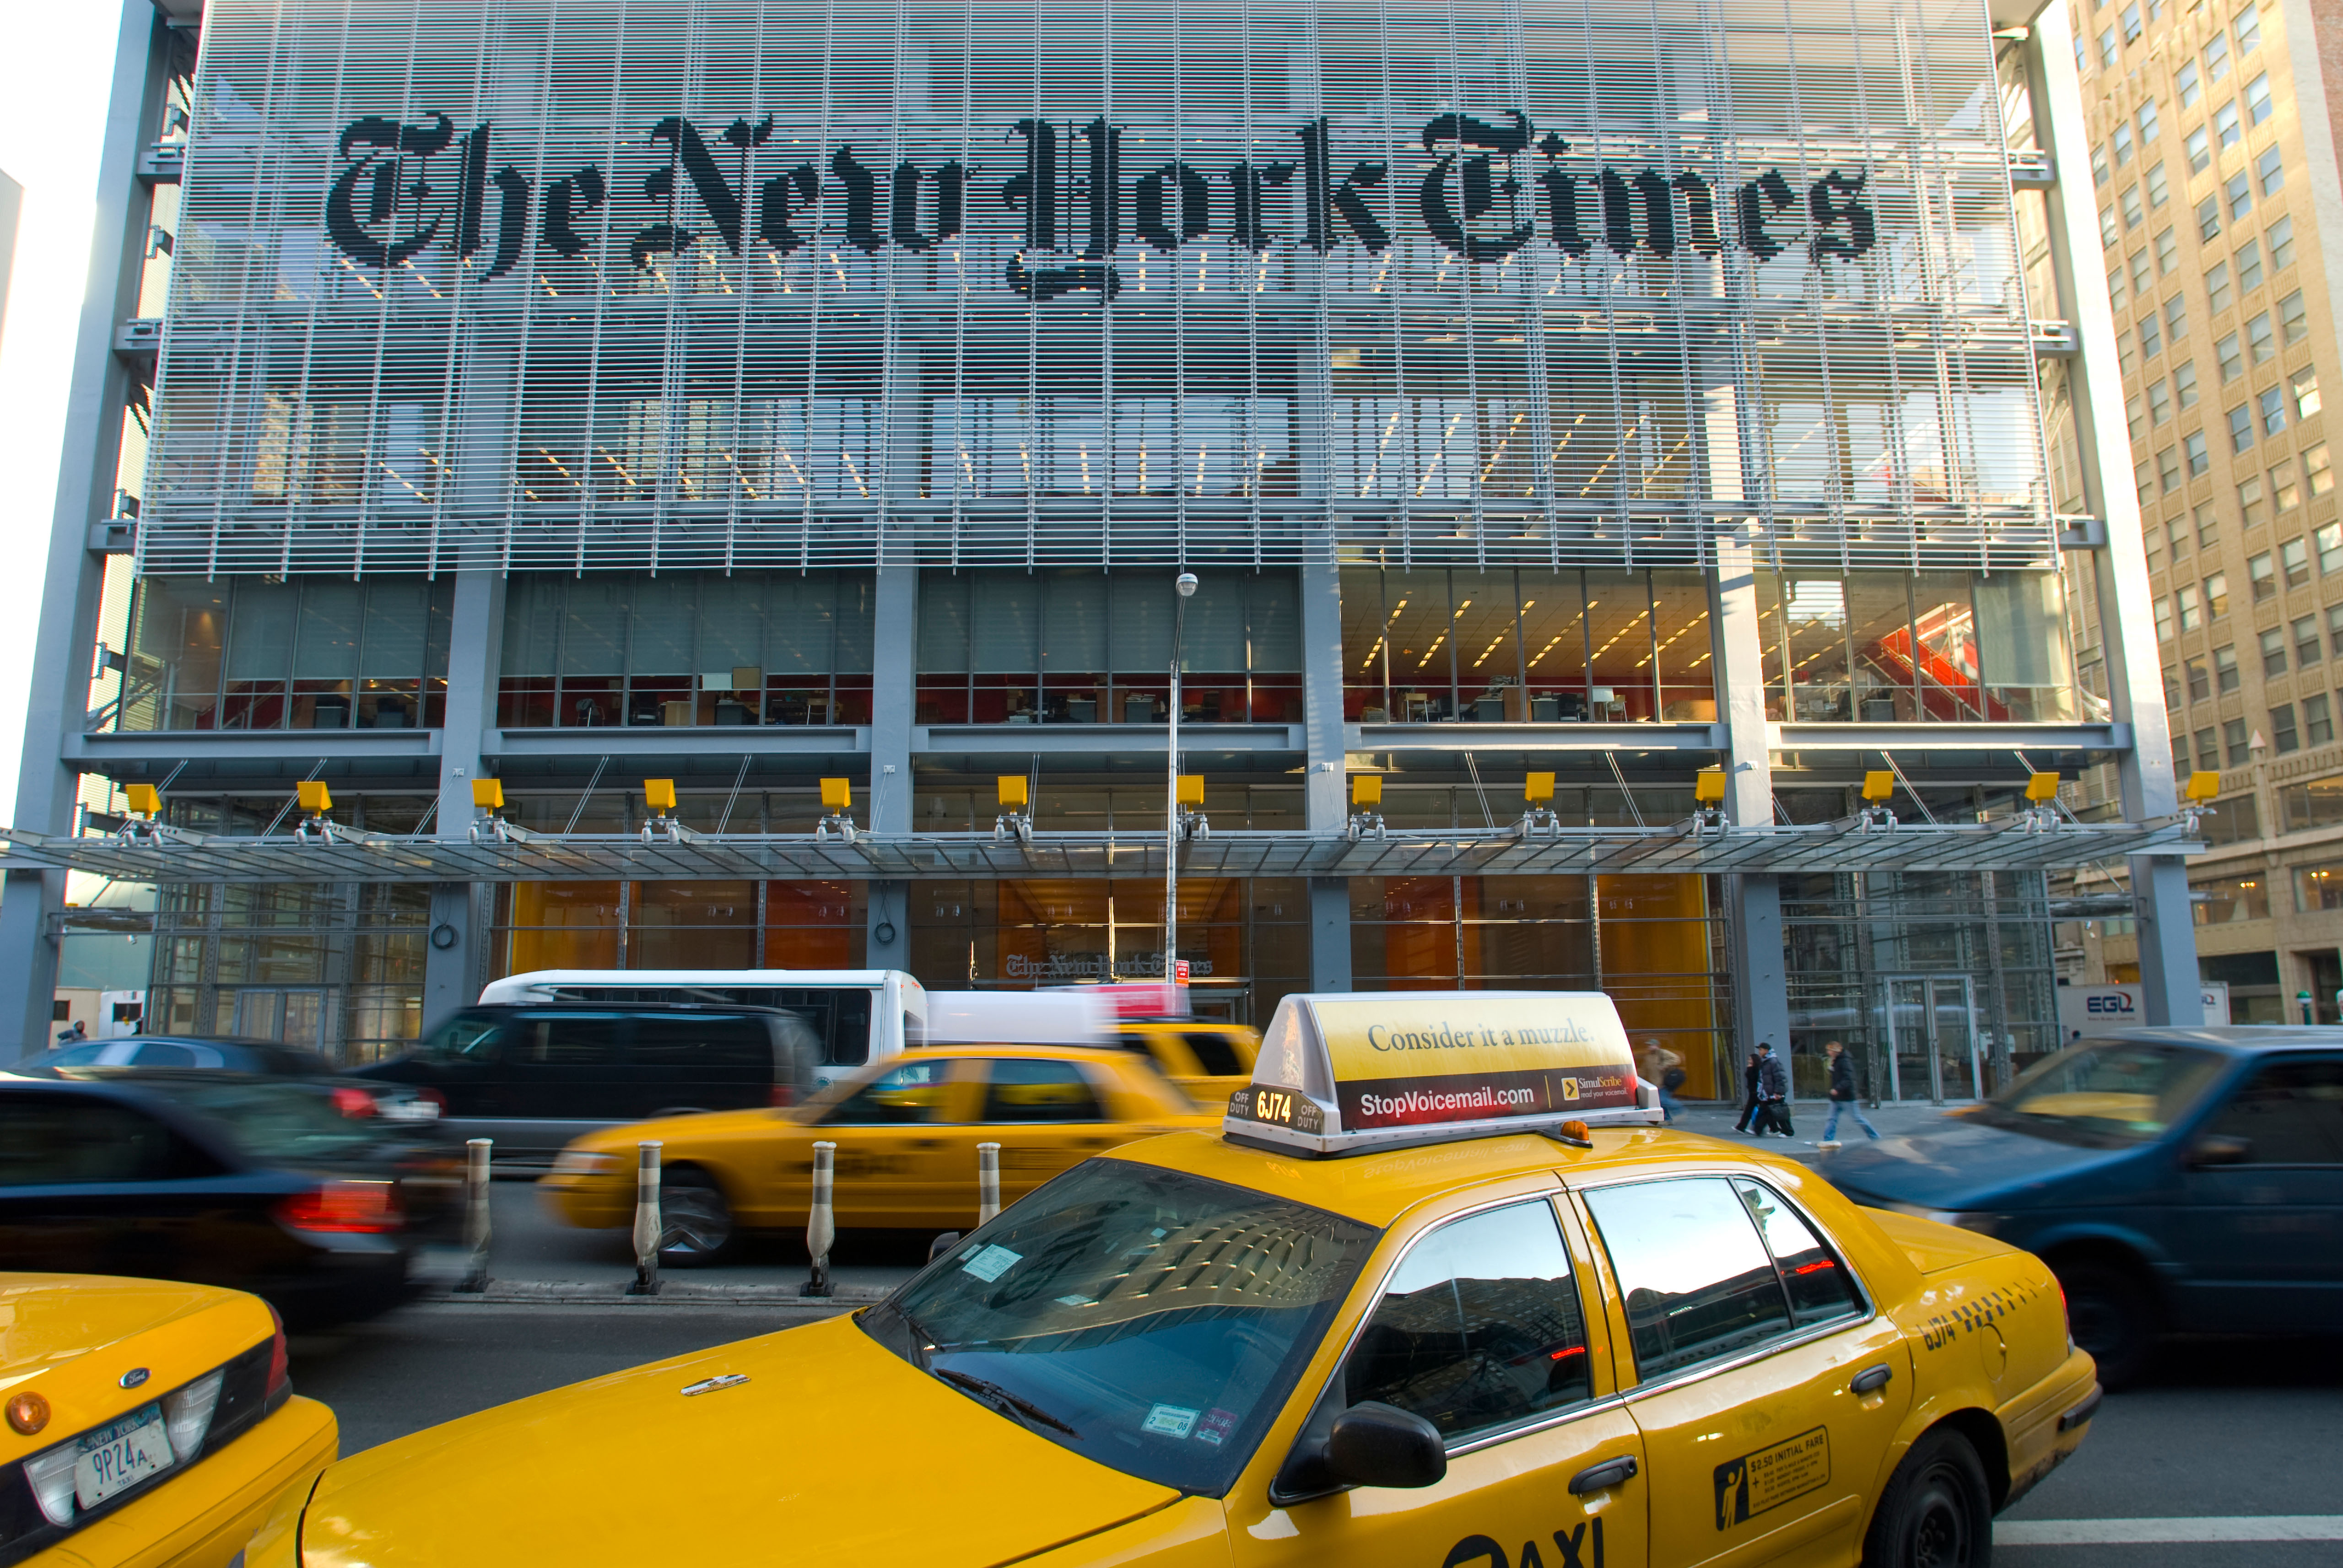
(942, 1244)
(2217, 1149)
(1377, 1445)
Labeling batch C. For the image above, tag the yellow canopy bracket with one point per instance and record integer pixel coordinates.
(1014, 791)
(315, 798)
(1366, 789)
(1192, 789)
(1538, 788)
(488, 794)
(2203, 785)
(659, 794)
(1708, 787)
(836, 794)
(146, 800)
(1878, 784)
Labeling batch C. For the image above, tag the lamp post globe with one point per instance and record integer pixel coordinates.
(1186, 583)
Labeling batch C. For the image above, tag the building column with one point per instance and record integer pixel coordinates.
(893, 677)
(1325, 788)
(455, 955)
(1761, 996)
(2159, 884)
(56, 697)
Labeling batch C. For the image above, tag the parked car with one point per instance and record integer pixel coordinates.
(220, 1179)
(533, 1078)
(2186, 1179)
(265, 1057)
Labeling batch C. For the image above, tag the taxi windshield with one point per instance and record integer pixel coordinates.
(1145, 1319)
(2114, 1091)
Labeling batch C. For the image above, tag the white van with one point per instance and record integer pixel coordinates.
(1019, 1017)
(860, 1015)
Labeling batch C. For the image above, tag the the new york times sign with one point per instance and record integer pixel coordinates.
(1485, 189)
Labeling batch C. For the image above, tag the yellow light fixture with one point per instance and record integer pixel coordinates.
(1366, 789)
(1538, 788)
(314, 796)
(145, 800)
(836, 794)
(659, 794)
(488, 794)
(2203, 785)
(1191, 791)
(1708, 786)
(2042, 787)
(1010, 787)
(1878, 784)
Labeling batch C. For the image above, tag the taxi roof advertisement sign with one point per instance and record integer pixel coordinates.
(1427, 1065)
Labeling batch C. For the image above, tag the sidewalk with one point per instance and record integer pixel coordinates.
(1716, 1118)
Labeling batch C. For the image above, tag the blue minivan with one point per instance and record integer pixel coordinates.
(2175, 1179)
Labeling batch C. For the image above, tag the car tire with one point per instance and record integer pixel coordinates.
(695, 1218)
(2109, 1313)
(1937, 1510)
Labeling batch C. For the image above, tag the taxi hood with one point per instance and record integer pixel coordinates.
(1958, 1162)
(834, 1449)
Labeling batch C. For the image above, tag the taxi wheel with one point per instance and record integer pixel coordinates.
(697, 1219)
(1938, 1512)
(2110, 1316)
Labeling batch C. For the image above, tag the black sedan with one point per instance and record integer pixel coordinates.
(265, 1057)
(221, 1179)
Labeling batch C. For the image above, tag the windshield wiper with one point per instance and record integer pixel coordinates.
(1000, 1398)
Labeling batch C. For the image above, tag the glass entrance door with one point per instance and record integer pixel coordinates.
(1932, 1039)
(293, 1014)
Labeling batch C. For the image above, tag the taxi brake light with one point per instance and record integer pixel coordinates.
(342, 1208)
(353, 1101)
(279, 1362)
(783, 1096)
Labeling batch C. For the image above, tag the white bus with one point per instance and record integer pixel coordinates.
(860, 1015)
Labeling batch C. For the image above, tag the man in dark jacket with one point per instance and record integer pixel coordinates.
(1773, 1094)
(1842, 1095)
(1748, 1122)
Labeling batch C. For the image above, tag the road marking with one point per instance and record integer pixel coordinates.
(2140, 1532)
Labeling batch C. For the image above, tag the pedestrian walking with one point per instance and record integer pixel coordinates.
(1773, 1094)
(1748, 1122)
(1842, 1094)
(1665, 1069)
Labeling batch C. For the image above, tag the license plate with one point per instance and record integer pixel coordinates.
(118, 1457)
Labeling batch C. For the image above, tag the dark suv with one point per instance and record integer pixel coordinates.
(533, 1078)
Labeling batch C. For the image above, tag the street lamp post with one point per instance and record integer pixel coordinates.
(1185, 585)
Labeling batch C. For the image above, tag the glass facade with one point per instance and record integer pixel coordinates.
(1884, 647)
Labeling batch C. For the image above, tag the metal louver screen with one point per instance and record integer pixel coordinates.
(670, 286)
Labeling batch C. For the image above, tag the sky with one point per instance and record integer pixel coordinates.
(53, 76)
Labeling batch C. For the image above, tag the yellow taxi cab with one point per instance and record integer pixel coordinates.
(1209, 1061)
(146, 1423)
(906, 1129)
(1440, 1293)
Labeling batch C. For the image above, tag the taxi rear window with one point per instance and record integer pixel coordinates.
(1149, 1319)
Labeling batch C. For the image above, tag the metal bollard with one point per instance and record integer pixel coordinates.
(476, 1213)
(649, 1232)
(988, 1181)
(820, 1229)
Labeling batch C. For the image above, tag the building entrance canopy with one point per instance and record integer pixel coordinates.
(1681, 849)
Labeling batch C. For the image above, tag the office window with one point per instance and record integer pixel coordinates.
(2159, 402)
(2228, 128)
(2108, 48)
(2216, 57)
(2159, 189)
(2240, 188)
(2110, 231)
(2293, 318)
(2315, 471)
(2272, 408)
(2167, 253)
(2200, 454)
(2163, 619)
(2118, 287)
(2134, 214)
(2102, 169)
(2280, 234)
(2260, 344)
(2225, 668)
(2235, 742)
(2251, 504)
(2191, 606)
(2136, 417)
(2184, 383)
(2189, 84)
(2317, 888)
(2241, 427)
(2304, 384)
(2216, 595)
(2334, 624)
(2308, 647)
(2175, 318)
(2231, 356)
(2283, 735)
(2209, 749)
(2198, 145)
(2262, 572)
(2082, 61)
(2208, 220)
(2294, 559)
(2168, 468)
(2131, 21)
(2140, 274)
(2273, 643)
(2151, 335)
(2143, 480)
(2122, 144)
(2147, 122)
(2217, 286)
(2249, 29)
(2259, 106)
(2177, 536)
(2285, 492)
(2318, 721)
(2328, 539)
(2249, 266)
(2201, 681)
(2209, 524)
(2270, 172)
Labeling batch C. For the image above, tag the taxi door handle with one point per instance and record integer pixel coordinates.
(1871, 1379)
(1603, 1476)
(927, 1143)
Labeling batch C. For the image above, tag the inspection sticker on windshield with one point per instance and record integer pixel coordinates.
(1170, 1420)
(991, 1264)
(1217, 1425)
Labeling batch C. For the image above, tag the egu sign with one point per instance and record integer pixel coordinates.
(1483, 189)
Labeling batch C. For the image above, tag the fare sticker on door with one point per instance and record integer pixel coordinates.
(1748, 1486)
